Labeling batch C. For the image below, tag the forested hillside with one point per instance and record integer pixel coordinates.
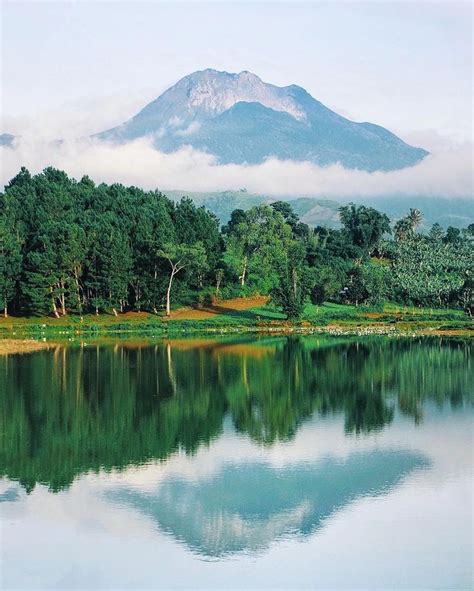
(73, 247)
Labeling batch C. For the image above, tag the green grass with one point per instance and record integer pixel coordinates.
(385, 312)
(267, 313)
(351, 317)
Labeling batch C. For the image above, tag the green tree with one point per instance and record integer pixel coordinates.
(109, 265)
(10, 262)
(182, 256)
(436, 233)
(293, 284)
(406, 227)
(256, 244)
(364, 225)
(415, 217)
(195, 224)
(41, 286)
(402, 229)
(356, 291)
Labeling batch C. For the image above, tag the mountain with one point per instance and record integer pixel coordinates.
(247, 506)
(241, 119)
(6, 140)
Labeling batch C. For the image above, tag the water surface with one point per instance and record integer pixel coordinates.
(244, 463)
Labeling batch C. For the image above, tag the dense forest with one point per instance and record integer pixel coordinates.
(74, 247)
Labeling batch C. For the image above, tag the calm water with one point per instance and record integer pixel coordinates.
(251, 463)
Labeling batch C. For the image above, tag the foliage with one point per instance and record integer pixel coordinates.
(429, 271)
(183, 256)
(294, 282)
(10, 262)
(74, 247)
(364, 225)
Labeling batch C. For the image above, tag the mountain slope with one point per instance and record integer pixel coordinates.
(241, 119)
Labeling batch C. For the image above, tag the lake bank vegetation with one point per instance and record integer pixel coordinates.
(76, 254)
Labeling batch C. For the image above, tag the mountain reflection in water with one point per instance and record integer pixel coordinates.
(246, 507)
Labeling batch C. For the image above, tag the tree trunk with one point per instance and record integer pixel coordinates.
(55, 310)
(168, 295)
(136, 289)
(62, 298)
(78, 292)
(244, 271)
(5, 311)
(53, 303)
(114, 311)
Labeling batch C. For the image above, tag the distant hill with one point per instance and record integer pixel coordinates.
(312, 211)
(456, 212)
(324, 212)
(241, 119)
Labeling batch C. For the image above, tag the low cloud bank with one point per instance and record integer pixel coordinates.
(446, 173)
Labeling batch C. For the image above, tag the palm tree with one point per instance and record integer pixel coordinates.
(414, 217)
(406, 227)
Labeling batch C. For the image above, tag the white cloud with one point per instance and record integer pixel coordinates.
(443, 173)
(189, 130)
(77, 118)
(175, 121)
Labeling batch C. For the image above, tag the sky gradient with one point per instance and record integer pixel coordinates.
(72, 69)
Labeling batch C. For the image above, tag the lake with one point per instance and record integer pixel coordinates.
(243, 463)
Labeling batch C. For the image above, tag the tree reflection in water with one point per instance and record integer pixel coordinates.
(77, 409)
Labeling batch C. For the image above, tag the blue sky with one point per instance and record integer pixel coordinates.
(405, 65)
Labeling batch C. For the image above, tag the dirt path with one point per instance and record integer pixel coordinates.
(224, 307)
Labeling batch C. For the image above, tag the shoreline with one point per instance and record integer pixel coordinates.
(245, 316)
(28, 339)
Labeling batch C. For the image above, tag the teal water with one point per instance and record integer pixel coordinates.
(251, 463)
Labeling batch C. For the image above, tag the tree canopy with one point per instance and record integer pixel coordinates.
(74, 247)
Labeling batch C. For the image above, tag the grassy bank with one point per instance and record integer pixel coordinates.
(249, 315)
